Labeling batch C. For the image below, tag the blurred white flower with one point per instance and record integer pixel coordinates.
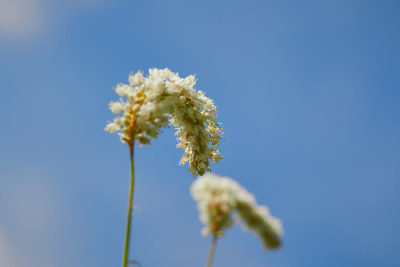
(113, 127)
(136, 79)
(116, 107)
(148, 103)
(219, 198)
(123, 89)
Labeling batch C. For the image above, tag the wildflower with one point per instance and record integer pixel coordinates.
(116, 107)
(149, 103)
(219, 198)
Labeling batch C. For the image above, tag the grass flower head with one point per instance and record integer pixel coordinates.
(219, 198)
(148, 104)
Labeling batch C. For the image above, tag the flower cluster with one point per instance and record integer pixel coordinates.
(219, 197)
(148, 103)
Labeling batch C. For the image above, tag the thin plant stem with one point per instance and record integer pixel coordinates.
(211, 253)
(130, 207)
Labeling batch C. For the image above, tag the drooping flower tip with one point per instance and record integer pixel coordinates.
(258, 220)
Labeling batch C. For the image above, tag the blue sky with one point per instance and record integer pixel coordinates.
(308, 93)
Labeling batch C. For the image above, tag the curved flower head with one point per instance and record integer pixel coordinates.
(220, 198)
(147, 104)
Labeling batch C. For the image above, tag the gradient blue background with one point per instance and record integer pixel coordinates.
(308, 93)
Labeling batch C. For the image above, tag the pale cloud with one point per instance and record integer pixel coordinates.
(22, 19)
(8, 254)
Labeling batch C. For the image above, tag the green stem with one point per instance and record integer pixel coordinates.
(211, 253)
(130, 207)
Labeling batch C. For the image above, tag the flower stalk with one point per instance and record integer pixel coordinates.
(130, 208)
(211, 253)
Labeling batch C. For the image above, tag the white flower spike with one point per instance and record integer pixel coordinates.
(218, 198)
(148, 103)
